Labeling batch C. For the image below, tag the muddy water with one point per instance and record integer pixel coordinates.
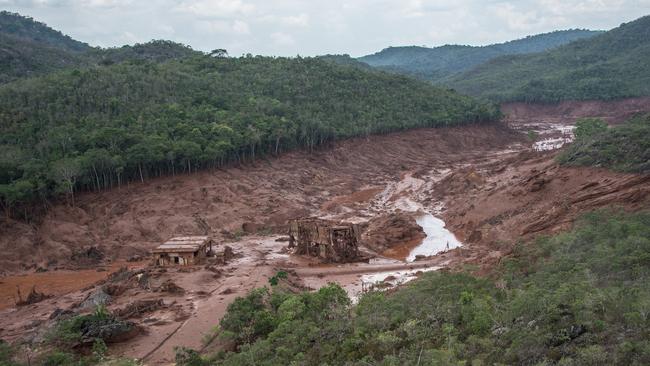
(438, 238)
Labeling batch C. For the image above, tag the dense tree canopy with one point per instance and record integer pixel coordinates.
(29, 48)
(440, 63)
(99, 127)
(607, 66)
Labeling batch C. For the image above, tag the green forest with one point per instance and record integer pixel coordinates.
(30, 48)
(438, 64)
(100, 127)
(624, 148)
(607, 66)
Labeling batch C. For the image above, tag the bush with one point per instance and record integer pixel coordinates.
(623, 148)
(576, 298)
(588, 127)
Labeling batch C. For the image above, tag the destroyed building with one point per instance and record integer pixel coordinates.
(183, 251)
(327, 240)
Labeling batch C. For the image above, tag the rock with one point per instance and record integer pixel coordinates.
(110, 330)
(390, 278)
(61, 314)
(170, 287)
(99, 297)
(138, 308)
(387, 231)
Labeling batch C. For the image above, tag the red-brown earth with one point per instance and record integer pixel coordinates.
(485, 181)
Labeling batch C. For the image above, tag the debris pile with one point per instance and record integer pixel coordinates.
(330, 241)
(32, 298)
(109, 329)
(170, 287)
(138, 308)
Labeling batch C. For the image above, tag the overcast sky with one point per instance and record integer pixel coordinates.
(291, 27)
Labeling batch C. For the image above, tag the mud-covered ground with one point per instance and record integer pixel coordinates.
(487, 182)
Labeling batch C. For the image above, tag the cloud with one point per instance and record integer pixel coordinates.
(301, 20)
(215, 8)
(288, 27)
(236, 27)
(282, 39)
(105, 3)
(516, 19)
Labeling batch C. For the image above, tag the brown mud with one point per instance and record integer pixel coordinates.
(487, 183)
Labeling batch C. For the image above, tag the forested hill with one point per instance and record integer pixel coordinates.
(611, 65)
(30, 48)
(99, 127)
(27, 28)
(439, 63)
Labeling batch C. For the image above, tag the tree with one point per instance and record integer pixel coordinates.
(15, 192)
(219, 52)
(65, 172)
(587, 127)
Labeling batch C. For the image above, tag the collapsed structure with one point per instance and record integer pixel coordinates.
(327, 240)
(185, 250)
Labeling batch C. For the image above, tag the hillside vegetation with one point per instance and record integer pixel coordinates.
(30, 48)
(579, 298)
(27, 28)
(624, 148)
(439, 63)
(100, 127)
(607, 66)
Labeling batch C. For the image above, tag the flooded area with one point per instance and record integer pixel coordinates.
(438, 238)
(551, 143)
(552, 136)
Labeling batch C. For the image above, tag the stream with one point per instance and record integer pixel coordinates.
(438, 238)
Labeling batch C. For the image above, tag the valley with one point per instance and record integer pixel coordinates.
(484, 204)
(486, 182)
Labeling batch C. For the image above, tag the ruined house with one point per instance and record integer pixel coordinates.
(330, 241)
(183, 251)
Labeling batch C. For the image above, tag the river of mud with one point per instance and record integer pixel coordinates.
(438, 238)
(417, 172)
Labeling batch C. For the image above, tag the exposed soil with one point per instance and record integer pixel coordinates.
(130, 221)
(393, 234)
(486, 182)
(568, 112)
(531, 194)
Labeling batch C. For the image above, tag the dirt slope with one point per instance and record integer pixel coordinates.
(122, 223)
(530, 194)
(567, 112)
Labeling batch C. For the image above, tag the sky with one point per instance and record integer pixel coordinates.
(308, 28)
